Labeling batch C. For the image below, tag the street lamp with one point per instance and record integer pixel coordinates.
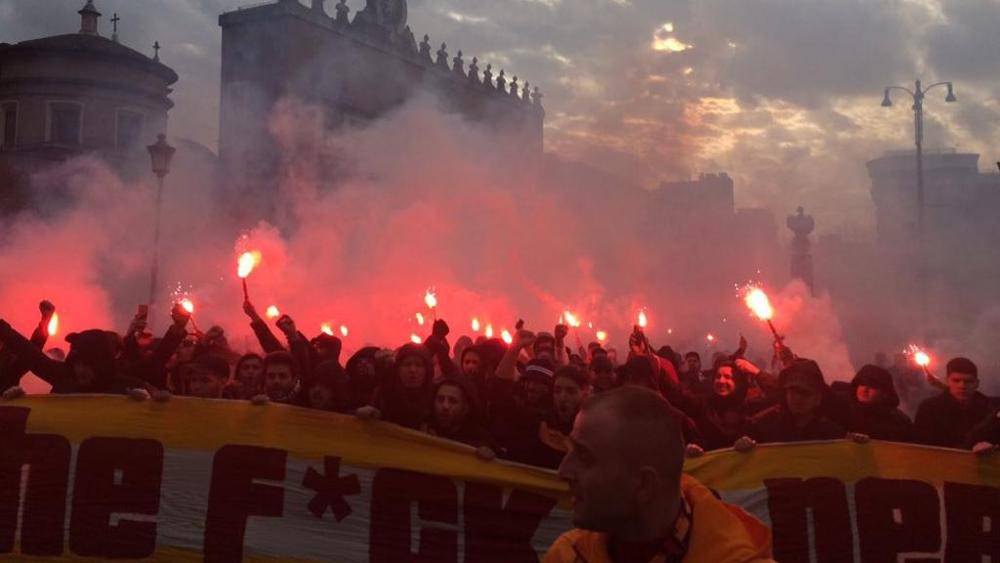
(160, 155)
(918, 94)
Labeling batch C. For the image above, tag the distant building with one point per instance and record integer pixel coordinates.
(357, 70)
(710, 195)
(961, 232)
(700, 221)
(73, 94)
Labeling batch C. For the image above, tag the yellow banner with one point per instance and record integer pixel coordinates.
(100, 477)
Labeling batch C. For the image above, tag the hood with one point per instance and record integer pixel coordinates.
(879, 378)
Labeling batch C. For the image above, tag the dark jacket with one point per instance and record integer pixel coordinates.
(12, 368)
(776, 425)
(153, 368)
(942, 421)
(362, 379)
(471, 431)
(988, 430)
(724, 419)
(882, 421)
(408, 408)
(94, 348)
(515, 424)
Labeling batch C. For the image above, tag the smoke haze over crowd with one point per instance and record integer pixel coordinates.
(784, 98)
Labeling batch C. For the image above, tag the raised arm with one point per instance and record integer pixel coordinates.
(263, 332)
(507, 369)
(29, 356)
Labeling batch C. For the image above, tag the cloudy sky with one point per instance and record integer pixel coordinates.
(782, 94)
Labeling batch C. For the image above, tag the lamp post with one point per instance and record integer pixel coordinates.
(160, 154)
(918, 95)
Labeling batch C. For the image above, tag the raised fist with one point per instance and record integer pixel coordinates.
(561, 332)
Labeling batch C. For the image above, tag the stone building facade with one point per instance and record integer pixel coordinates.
(356, 68)
(73, 94)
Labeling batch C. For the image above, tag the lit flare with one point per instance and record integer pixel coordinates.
(343, 331)
(325, 328)
(187, 305)
(602, 336)
(430, 299)
(475, 324)
(53, 326)
(489, 331)
(643, 319)
(416, 339)
(507, 336)
(758, 302)
(420, 319)
(247, 262)
(920, 357)
(571, 319)
(273, 312)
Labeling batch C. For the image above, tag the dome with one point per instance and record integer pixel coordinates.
(90, 46)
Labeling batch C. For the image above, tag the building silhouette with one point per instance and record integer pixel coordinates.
(355, 69)
(961, 232)
(73, 94)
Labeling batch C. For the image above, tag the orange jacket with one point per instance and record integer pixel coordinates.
(720, 533)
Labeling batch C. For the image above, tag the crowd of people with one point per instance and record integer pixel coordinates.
(515, 401)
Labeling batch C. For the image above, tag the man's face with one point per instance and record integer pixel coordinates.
(603, 488)
(450, 407)
(249, 372)
(567, 396)
(962, 386)
(205, 384)
(412, 373)
(278, 380)
(602, 379)
(546, 349)
(724, 385)
(320, 397)
(868, 395)
(471, 364)
(693, 364)
(803, 401)
(325, 351)
(534, 391)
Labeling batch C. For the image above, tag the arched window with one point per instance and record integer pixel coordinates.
(65, 123)
(8, 125)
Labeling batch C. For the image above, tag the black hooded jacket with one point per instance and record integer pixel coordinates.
(408, 408)
(881, 421)
(94, 348)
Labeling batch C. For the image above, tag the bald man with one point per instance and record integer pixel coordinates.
(631, 503)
